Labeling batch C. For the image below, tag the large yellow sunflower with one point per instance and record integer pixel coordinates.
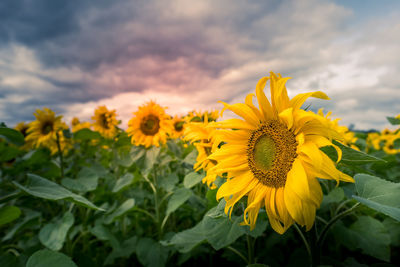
(150, 125)
(179, 127)
(203, 139)
(46, 127)
(105, 121)
(272, 156)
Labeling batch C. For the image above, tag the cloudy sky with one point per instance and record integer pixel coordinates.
(74, 55)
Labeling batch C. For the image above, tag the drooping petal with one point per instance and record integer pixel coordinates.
(297, 101)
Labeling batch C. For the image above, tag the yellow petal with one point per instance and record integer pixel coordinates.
(287, 117)
(297, 180)
(297, 101)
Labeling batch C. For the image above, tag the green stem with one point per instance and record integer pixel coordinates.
(250, 249)
(322, 236)
(305, 243)
(145, 212)
(60, 155)
(237, 252)
(341, 205)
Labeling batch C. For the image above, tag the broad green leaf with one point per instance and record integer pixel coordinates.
(178, 198)
(367, 234)
(334, 196)
(9, 214)
(169, 182)
(53, 235)
(123, 182)
(121, 210)
(103, 233)
(350, 156)
(378, 194)
(7, 152)
(30, 215)
(126, 159)
(86, 134)
(393, 120)
(47, 258)
(12, 136)
(86, 181)
(125, 251)
(191, 157)
(151, 156)
(151, 253)
(9, 259)
(215, 228)
(43, 188)
(393, 228)
(191, 179)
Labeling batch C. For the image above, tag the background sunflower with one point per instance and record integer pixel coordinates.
(150, 125)
(105, 121)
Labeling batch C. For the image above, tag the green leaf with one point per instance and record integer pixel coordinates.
(30, 215)
(121, 210)
(53, 235)
(393, 228)
(350, 156)
(151, 253)
(86, 134)
(378, 194)
(125, 251)
(9, 214)
(87, 180)
(178, 198)
(43, 188)
(191, 158)
(367, 234)
(393, 120)
(215, 228)
(169, 182)
(47, 258)
(151, 156)
(191, 179)
(126, 159)
(103, 233)
(123, 182)
(334, 196)
(12, 136)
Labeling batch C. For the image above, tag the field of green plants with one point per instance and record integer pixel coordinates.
(93, 199)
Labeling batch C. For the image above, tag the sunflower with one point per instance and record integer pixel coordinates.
(179, 127)
(150, 125)
(23, 127)
(203, 139)
(77, 125)
(349, 138)
(273, 157)
(46, 127)
(374, 141)
(105, 121)
(198, 116)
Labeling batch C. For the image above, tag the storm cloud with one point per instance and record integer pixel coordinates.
(72, 56)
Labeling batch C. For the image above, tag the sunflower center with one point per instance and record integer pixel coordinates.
(104, 121)
(178, 126)
(150, 125)
(47, 127)
(271, 151)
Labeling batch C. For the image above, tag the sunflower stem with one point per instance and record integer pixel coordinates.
(237, 252)
(321, 238)
(250, 249)
(60, 155)
(306, 243)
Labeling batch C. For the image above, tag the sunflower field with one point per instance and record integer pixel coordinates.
(277, 184)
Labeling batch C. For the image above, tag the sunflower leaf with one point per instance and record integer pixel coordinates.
(378, 194)
(9, 214)
(12, 136)
(393, 121)
(44, 258)
(86, 134)
(43, 188)
(350, 156)
(53, 235)
(191, 179)
(178, 198)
